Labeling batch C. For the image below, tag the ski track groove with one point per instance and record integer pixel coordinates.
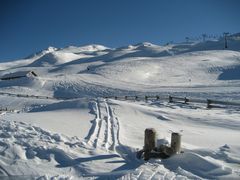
(105, 127)
(4, 171)
(106, 135)
(108, 131)
(114, 128)
(92, 138)
(139, 174)
(153, 174)
(99, 123)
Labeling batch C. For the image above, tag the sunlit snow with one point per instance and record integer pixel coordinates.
(74, 131)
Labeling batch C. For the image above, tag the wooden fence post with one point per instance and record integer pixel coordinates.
(209, 102)
(176, 143)
(146, 98)
(149, 142)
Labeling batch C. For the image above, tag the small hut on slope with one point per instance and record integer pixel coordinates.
(19, 74)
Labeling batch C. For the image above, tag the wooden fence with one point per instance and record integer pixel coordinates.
(210, 103)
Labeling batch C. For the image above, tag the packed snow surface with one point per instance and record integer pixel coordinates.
(60, 125)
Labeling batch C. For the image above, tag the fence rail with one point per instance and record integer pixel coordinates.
(171, 99)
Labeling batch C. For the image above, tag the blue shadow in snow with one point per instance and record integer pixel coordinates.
(230, 74)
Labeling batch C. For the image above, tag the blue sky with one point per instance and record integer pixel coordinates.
(28, 26)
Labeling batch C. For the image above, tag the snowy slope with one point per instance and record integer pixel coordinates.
(152, 74)
(81, 77)
(55, 58)
(114, 134)
(58, 125)
(84, 49)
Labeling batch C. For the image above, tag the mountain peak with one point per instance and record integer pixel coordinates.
(144, 44)
(50, 49)
(84, 49)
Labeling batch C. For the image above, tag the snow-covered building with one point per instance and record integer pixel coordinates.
(19, 74)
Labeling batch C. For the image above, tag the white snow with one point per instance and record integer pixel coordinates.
(86, 49)
(55, 58)
(59, 125)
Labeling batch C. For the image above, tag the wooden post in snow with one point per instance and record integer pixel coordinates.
(149, 142)
(209, 103)
(170, 99)
(176, 143)
(146, 98)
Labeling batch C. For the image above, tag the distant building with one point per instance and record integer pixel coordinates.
(17, 75)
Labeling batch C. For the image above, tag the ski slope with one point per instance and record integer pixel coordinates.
(77, 133)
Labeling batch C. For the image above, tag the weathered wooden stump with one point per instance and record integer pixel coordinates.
(176, 143)
(149, 142)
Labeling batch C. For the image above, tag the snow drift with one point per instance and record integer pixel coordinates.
(75, 132)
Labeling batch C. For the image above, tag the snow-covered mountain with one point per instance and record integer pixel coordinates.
(43, 135)
(134, 68)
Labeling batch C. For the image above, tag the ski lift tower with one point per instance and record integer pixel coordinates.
(204, 37)
(225, 34)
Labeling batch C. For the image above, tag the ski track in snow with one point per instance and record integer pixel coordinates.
(25, 142)
(104, 132)
(135, 70)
